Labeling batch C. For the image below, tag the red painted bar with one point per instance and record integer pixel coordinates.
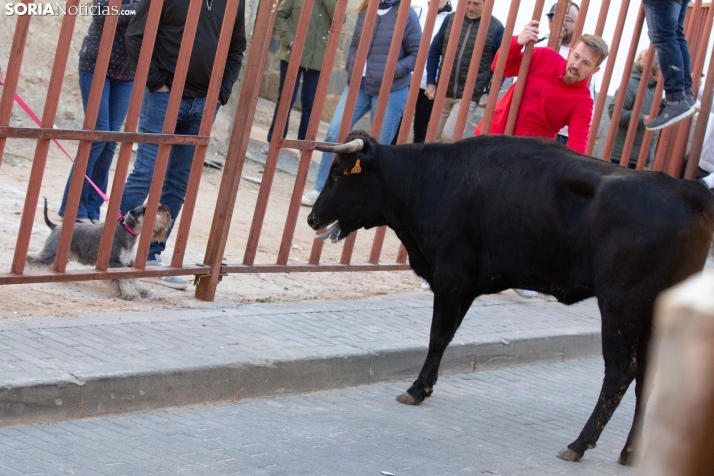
(624, 82)
(235, 158)
(695, 152)
(636, 108)
(580, 23)
(214, 87)
(93, 135)
(17, 50)
(281, 119)
(309, 143)
(602, 97)
(40, 159)
(647, 138)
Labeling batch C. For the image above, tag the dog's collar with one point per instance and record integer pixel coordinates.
(127, 227)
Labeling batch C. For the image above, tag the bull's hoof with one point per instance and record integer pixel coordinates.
(428, 392)
(407, 399)
(569, 455)
(626, 457)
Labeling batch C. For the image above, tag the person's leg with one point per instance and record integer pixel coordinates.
(102, 124)
(422, 113)
(178, 170)
(283, 74)
(684, 48)
(445, 112)
(310, 78)
(447, 134)
(663, 24)
(392, 115)
(119, 95)
(151, 120)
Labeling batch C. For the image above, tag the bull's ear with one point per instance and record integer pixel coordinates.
(355, 162)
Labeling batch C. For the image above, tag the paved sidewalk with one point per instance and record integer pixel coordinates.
(59, 369)
(508, 422)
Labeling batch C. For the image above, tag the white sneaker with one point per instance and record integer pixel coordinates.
(309, 198)
(173, 282)
(265, 148)
(526, 293)
(425, 285)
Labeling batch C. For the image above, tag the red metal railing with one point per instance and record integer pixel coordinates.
(671, 147)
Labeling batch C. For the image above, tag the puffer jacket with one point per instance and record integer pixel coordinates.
(624, 124)
(379, 50)
(286, 23)
(120, 67)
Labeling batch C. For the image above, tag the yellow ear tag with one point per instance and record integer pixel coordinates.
(356, 169)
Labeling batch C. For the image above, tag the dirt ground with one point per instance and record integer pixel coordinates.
(80, 298)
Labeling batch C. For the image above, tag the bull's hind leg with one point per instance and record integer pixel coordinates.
(620, 337)
(449, 311)
(642, 395)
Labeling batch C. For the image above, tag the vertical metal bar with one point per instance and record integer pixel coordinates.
(172, 111)
(384, 91)
(352, 93)
(214, 87)
(636, 109)
(40, 159)
(500, 66)
(700, 130)
(414, 86)
(132, 120)
(601, 98)
(580, 23)
(311, 133)
(562, 9)
(647, 138)
(281, 118)
(522, 76)
(474, 67)
(674, 167)
(602, 17)
(17, 50)
(624, 82)
(445, 69)
(235, 158)
(90, 120)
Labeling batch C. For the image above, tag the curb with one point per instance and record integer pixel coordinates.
(294, 371)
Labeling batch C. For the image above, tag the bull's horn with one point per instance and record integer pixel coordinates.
(348, 148)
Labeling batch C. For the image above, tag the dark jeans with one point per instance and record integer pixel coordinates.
(173, 193)
(112, 111)
(665, 20)
(561, 138)
(422, 113)
(310, 77)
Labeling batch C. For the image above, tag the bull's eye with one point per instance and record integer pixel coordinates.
(336, 172)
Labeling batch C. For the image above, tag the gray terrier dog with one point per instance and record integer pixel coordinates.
(85, 245)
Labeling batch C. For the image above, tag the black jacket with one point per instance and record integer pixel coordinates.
(119, 64)
(168, 42)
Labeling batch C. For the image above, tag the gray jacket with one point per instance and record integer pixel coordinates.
(379, 50)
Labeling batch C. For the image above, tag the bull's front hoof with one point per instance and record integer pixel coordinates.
(407, 399)
(569, 455)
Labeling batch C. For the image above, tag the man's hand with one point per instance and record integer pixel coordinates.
(163, 89)
(430, 92)
(530, 33)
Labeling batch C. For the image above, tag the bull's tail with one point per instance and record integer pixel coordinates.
(47, 219)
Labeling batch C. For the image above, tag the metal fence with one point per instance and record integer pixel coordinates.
(670, 153)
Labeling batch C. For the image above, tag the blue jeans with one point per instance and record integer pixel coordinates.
(310, 77)
(665, 20)
(112, 111)
(153, 112)
(365, 103)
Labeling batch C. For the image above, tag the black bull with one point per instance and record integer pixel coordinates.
(492, 213)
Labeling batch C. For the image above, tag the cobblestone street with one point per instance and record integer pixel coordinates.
(510, 422)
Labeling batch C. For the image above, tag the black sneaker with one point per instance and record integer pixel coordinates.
(670, 115)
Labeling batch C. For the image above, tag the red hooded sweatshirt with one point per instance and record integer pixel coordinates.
(548, 103)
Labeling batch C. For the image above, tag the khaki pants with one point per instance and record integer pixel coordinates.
(449, 115)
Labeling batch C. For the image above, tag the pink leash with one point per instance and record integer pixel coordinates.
(38, 121)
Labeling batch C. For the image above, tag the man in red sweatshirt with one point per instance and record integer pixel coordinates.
(556, 92)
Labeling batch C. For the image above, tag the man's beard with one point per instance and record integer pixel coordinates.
(567, 36)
